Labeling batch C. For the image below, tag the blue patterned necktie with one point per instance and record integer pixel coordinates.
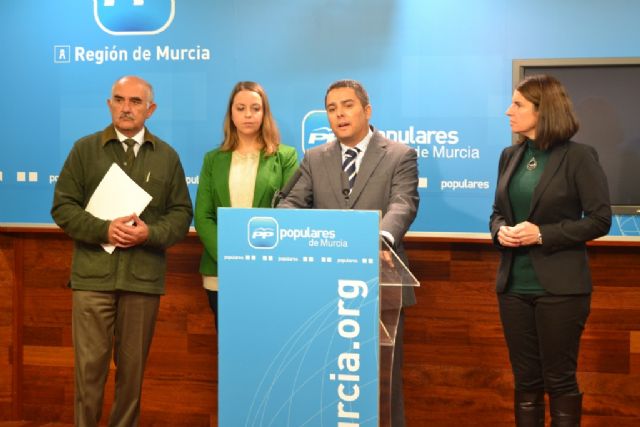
(349, 165)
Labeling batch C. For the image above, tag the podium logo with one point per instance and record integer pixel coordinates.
(133, 17)
(315, 129)
(262, 232)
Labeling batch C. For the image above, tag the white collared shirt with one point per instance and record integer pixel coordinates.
(138, 138)
(361, 148)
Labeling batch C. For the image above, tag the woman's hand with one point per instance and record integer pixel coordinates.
(507, 237)
(523, 234)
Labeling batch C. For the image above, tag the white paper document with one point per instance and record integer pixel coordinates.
(116, 196)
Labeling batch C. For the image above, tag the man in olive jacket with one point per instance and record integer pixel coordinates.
(118, 295)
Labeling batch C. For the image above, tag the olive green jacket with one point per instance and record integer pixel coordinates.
(157, 169)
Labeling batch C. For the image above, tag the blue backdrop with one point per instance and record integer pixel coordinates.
(438, 74)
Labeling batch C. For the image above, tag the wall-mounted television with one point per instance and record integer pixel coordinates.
(606, 97)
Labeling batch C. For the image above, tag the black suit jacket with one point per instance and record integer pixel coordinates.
(570, 205)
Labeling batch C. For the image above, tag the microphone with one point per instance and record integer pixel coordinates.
(346, 193)
(284, 191)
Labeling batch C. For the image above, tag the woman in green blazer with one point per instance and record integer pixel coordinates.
(248, 168)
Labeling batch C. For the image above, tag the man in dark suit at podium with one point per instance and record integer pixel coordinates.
(362, 169)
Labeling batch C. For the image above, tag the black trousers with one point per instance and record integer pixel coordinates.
(397, 395)
(543, 336)
(212, 297)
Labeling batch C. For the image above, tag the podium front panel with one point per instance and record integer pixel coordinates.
(298, 317)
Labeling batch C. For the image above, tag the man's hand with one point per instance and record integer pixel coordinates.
(385, 251)
(386, 258)
(128, 231)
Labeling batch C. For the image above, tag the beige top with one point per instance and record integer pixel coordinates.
(242, 178)
(242, 182)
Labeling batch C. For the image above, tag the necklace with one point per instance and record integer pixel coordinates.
(532, 163)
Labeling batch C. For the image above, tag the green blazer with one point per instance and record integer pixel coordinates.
(213, 192)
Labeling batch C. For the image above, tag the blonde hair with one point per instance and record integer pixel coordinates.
(268, 134)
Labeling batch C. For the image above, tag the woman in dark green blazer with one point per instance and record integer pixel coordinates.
(248, 168)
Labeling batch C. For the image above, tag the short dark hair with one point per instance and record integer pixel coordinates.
(557, 121)
(361, 93)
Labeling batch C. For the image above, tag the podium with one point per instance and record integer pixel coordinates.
(394, 277)
(309, 305)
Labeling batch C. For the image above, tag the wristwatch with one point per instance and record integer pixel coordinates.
(539, 238)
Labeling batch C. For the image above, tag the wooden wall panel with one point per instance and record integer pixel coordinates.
(456, 364)
(180, 381)
(6, 326)
(456, 367)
